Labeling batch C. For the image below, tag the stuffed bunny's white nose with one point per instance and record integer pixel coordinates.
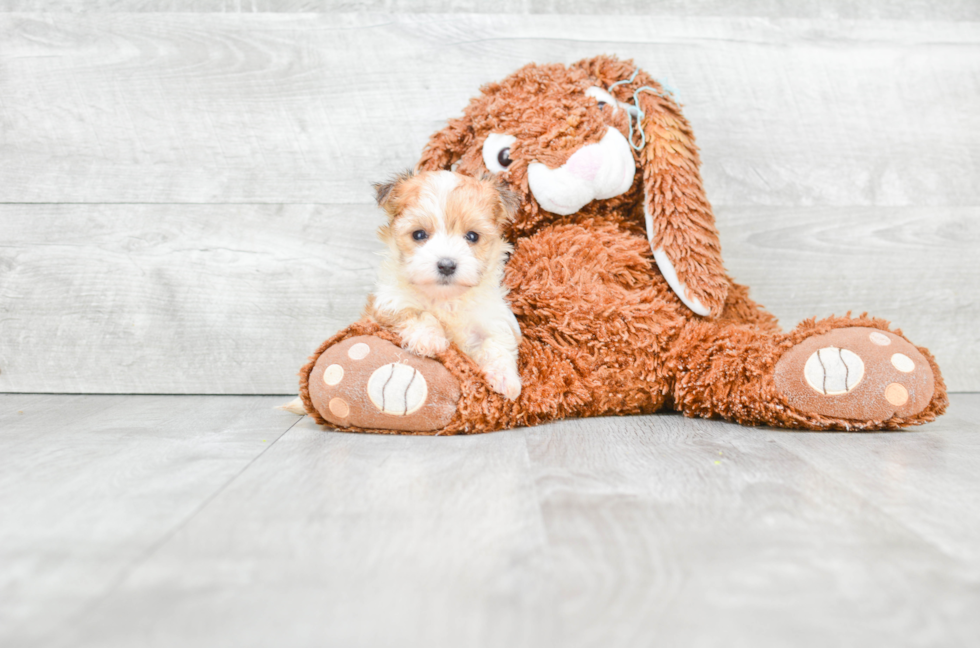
(594, 172)
(586, 162)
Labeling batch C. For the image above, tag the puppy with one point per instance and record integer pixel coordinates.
(440, 280)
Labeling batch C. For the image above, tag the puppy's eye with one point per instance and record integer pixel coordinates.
(496, 152)
(419, 235)
(472, 237)
(601, 104)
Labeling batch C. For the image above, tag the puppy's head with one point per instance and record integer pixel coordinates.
(444, 229)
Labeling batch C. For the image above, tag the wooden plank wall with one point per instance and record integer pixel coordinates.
(185, 203)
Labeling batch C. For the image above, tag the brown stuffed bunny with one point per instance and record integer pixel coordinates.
(619, 288)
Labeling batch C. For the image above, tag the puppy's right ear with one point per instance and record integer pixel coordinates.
(386, 193)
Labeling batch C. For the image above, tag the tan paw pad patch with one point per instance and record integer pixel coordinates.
(370, 383)
(896, 394)
(339, 408)
(857, 373)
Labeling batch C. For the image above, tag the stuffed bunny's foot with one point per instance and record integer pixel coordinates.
(370, 383)
(856, 373)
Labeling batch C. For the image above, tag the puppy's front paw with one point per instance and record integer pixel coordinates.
(503, 380)
(429, 345)
(424, 339)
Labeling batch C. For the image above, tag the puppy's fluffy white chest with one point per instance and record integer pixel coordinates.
(469, 320)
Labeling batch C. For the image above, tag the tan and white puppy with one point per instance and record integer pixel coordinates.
(441, 278)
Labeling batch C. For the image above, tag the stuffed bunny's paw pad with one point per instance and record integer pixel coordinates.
(857, 373)
(370, 383)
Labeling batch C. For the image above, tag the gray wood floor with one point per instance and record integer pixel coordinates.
(219, 521)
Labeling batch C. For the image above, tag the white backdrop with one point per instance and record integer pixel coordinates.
(185, 201)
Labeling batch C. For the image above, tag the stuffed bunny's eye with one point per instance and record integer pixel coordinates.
(602, 97)
(496, 152)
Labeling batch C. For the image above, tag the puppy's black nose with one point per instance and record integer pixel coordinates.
(446, 267)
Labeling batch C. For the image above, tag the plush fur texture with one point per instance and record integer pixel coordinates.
(604, 333)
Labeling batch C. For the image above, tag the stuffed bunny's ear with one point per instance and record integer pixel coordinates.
(680, 223)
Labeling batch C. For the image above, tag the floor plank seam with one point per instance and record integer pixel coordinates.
(164, 539)
(534, 485)
(870, 503)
